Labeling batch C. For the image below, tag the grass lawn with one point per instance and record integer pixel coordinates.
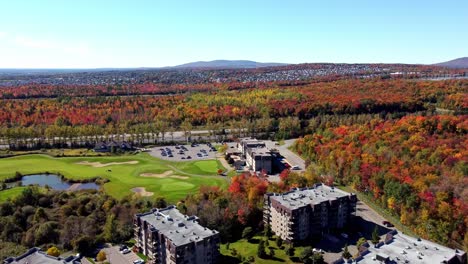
(10, 193)
(123, 177)
(246, 248)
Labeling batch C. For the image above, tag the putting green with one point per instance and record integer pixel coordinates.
(122, 171)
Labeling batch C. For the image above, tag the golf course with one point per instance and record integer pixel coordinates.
(140, 173)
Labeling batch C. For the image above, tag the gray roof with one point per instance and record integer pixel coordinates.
(36, 256)
(260, 151)
(413, 250)
(298, 198)
(177, 227)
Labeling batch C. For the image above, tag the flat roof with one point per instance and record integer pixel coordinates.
(177, 227)
(262, 151)
(301, 197)
(36, 256)
(406, 249)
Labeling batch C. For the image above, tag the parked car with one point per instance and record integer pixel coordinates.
(295, 167)
(138, 261)
(318, 250)
(125, 251)
(122, 247)
(387, 224)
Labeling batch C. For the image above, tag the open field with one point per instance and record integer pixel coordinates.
(124, 172)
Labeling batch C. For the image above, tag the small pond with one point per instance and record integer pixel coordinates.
(53, 181)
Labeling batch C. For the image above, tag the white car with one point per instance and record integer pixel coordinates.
(139, 261)
(318, 250)
(125, 251)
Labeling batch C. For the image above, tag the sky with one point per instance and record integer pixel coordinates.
(154, 33)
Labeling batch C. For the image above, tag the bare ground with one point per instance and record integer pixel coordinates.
(141, 191)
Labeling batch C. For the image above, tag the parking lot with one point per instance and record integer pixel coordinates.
(184, 152)
(115, 257)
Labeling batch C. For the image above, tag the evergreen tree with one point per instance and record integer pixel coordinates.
(346, 254)
(375, 236)
(261, 253)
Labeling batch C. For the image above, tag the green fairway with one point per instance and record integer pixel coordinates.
(10, 193)
(173, 180)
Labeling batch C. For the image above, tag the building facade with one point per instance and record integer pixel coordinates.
(168, 236)
(308, 212)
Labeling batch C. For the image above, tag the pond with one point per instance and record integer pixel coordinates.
(54, 181)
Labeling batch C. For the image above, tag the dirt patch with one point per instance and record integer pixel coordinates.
(163, 175)
(157, 175)
(141, 191)
(100, 165)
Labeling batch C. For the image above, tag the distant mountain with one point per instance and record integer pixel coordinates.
(456, 63)
(228, 64)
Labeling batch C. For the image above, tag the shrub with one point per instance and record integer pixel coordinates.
(101, 256)
(53, 251)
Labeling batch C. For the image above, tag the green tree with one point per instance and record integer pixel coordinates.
(40, 215)
(271, 253)
(83, 244)
(261, 253)
(375, 235)
(110, 232)
(346, 254)
(248, 233)
(53, 251)
(289, 250)
(160, 202)
(46, 233)
(279, 242)
(317, 258)
(306, 254)
(361, 241)
(268, 232)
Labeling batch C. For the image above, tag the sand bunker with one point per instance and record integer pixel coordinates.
(163, 175)
(141, 191)
(179, 177)
(157, 175)
(100, 165)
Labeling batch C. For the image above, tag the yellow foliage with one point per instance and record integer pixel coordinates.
(53, 251)
(101, 256)
(391, 203)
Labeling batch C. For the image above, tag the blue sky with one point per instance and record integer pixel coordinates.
(139, 33)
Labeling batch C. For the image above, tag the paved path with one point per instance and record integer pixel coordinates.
(291, 157)
(85, 261)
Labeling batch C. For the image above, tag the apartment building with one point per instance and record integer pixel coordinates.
(400, 248)
(168, 236)
(303, 213)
